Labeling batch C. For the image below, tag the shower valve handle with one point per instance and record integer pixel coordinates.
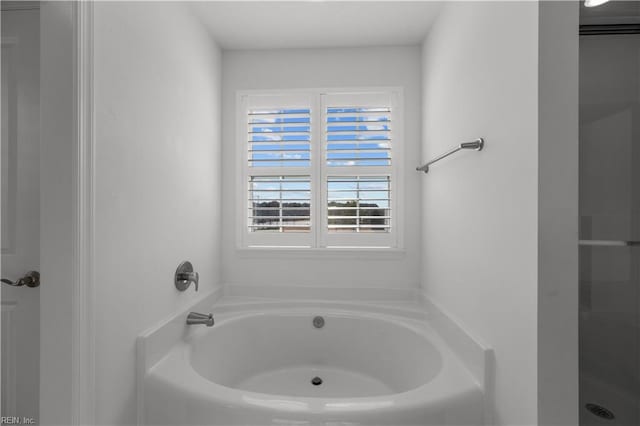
(185, 275)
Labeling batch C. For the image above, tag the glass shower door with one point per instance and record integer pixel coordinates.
(610, 230)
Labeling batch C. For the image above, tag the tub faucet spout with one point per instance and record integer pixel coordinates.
(195, 318)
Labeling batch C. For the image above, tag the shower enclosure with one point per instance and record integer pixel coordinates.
(610, 214)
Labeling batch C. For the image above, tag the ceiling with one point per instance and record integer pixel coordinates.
(299, 24)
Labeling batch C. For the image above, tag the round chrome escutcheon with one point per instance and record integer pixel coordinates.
(318, 322)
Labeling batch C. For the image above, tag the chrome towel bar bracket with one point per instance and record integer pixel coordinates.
(477, 145)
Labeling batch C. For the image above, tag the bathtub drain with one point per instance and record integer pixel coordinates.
(316, 381)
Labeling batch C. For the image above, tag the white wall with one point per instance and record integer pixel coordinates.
(322, 68)
(480, 230)
(157, 193)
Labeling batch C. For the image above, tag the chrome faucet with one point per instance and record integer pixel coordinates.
(184, 276)
(195, 318)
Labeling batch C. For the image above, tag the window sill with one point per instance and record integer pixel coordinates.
(381, 253)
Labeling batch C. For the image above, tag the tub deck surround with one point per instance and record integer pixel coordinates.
(476, 355)
(264, 363)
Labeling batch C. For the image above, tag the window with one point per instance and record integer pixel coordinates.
(319, 168)
(279, 203)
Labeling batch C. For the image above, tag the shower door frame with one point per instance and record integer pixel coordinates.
(628, 242)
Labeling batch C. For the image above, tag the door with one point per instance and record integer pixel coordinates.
(20, 213)
(610, 229)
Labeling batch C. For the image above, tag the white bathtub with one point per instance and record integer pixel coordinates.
(256, 366)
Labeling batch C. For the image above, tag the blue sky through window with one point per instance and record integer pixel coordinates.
(280, 137)
(358, 136)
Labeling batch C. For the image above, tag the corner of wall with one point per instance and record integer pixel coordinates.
(558, 158)
(479, 239)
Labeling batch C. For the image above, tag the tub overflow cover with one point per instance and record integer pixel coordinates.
(316, 381)
(318, 322)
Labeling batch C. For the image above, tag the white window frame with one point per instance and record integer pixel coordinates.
(319, 238)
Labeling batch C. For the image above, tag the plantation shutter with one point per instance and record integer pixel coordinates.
(278, 169)
(358, 155)
(320, 169)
